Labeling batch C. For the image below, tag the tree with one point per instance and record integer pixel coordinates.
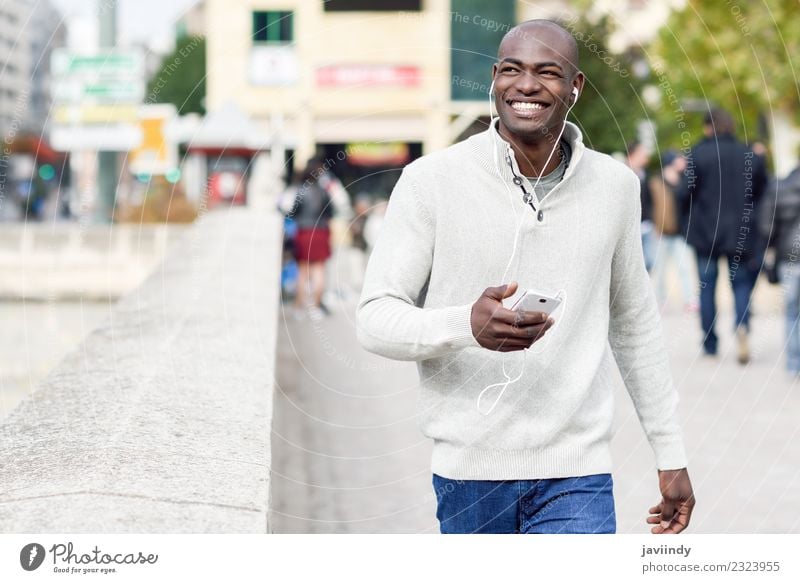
(181, 78)
(738, 55)
(609, 108)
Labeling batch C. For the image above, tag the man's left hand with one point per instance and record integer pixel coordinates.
(673, 513)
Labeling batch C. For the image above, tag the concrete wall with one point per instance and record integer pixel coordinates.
(160, 421)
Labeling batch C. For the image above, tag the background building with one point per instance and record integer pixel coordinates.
(193, 21)
(370, 85)
(29, 30)
(45, 32)
(14, 67)
(325, 77)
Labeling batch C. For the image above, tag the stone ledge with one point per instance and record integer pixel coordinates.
(160, 421)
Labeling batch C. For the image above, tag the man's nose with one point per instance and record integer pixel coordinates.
(528, 83)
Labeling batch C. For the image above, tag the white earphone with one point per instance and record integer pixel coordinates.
(509, 380)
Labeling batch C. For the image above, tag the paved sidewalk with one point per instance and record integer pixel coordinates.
(741, 430)
(348, 457)
(347, 454)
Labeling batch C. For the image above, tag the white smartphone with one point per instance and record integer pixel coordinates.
(535, 301)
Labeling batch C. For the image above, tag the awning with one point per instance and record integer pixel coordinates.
(228, 128)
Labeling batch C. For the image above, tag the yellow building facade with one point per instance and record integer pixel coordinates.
(335, 77)
(313, 72)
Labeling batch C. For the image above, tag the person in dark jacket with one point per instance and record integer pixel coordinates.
(723, 182)
(779, 225)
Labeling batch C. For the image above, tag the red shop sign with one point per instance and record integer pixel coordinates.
(361, 75)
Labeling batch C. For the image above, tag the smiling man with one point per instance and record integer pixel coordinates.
(525, 205)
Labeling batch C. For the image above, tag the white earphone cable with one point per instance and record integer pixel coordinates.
(509, 380)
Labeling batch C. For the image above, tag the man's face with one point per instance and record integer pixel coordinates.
(533, 83)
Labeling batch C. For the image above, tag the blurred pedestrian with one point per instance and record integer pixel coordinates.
(340, 198)
(723, 182)
(288, 263)
(362, 208)
(759, 263)
(759, 149)
(779, 225)
(358, 244)
(637, 159)
(668, 223)
(342, 214)
(311, 209)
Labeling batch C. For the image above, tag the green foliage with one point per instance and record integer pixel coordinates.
(738, 55)
(609, 107)
(181, 78)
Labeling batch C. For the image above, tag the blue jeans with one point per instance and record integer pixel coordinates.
(742, 281)
(580, 505)
(789, 274)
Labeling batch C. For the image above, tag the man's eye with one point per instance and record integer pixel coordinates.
(550, 73)
(508, 70)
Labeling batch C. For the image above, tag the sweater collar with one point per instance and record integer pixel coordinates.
(491, 148)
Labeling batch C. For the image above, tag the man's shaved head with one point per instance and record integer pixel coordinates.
(547, 32)
(536, 81)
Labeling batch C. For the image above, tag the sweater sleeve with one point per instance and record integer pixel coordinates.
(637, 343)
(389, 320)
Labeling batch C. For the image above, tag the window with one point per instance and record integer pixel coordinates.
(272, 26)
(371, 5)
(474, 44)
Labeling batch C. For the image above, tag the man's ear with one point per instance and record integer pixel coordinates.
(494, 75)
(578, 81)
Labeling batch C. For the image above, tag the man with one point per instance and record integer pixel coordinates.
(539, 461)
(723, 183)
(638, 157)
(779, 224)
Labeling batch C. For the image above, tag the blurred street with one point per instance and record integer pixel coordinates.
(348, 457)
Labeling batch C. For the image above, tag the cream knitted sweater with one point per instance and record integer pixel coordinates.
(448, 234)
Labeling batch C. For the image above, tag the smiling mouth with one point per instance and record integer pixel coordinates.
(527, 108)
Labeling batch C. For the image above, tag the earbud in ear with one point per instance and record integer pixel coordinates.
(575, 95)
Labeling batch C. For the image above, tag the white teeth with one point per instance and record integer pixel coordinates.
(523, 105)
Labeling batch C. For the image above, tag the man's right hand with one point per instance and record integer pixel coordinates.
(497, 328)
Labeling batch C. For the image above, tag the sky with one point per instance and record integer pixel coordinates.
(138, 21)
